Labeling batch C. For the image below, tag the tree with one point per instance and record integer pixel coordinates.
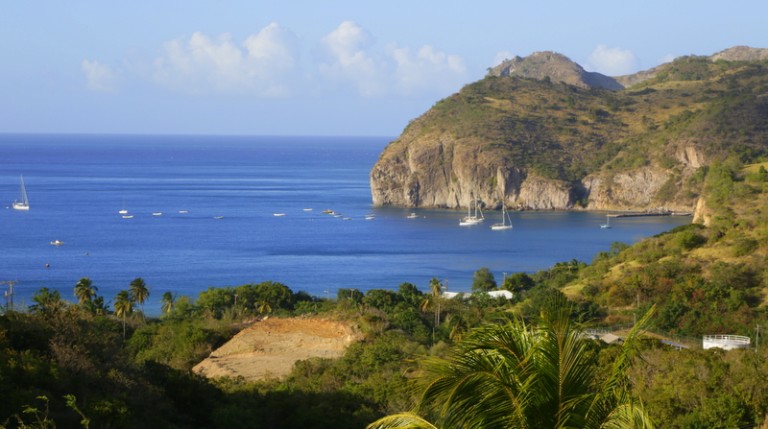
(432, 301)
(263, 307)
(382, 299)
(46, 301)
(277, 295)
(139, 292)
(85, 291)
(483, 280)
(168, 301)
(518, 282)
(123, 306)
(520, 376)
(410, 294)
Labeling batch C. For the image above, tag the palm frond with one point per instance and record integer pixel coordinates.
(401, 421)
(628, 416)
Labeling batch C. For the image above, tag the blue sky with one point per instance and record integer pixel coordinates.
(314, 68)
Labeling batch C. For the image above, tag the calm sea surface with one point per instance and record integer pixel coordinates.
(218, 197)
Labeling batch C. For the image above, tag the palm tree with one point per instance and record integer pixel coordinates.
(518, 376)
(168, 301)
(432, 301)
(46, 301)
(85, 291)
(139, 292)
(123, 306)
(263, 307)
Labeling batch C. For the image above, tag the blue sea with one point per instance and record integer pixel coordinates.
(204, 210)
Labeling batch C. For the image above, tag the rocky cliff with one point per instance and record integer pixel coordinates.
(448, 175)
(540, 133)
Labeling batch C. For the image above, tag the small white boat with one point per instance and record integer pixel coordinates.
(127, 216)
(183, 211)
(218, 217)
(56, 243)
(370, 217)
(506, 222)
(122, 211)
(278, 214)
(607, 224)
(157, 213)
(24, 203)
(412, 216)
(472, 218)
(307, 210)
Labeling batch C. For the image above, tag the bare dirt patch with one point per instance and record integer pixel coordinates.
(268, 349)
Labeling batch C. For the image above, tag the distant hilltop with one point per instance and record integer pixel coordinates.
(555, 67)
(558, 68)
(540, 132)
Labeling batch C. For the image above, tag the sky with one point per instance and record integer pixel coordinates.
(336, 67)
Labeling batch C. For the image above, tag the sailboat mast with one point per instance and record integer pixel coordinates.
(24, 198)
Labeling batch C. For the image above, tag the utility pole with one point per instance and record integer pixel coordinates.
(8, 294)
(637, 308)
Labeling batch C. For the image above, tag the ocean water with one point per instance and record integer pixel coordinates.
(218, 197)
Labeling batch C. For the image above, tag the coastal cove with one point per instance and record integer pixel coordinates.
(204, 215)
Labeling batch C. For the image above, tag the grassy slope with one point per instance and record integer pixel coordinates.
(703, 279)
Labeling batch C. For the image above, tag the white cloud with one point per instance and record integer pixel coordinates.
(350, 57)
(99, 77)
(268, 64)
(612, 61)
(263, 64)
(347, 59)
(427, 69)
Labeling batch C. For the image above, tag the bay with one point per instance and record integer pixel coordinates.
(204, 210)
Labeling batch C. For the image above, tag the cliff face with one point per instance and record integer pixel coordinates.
(445, 174)
(541, 133)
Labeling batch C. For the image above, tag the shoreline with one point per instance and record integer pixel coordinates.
(617, 215)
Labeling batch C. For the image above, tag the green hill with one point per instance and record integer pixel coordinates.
(552, 141)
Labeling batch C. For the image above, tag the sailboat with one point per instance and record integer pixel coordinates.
(472, 218)
(607, 224)
(504, 219)
(24, 203)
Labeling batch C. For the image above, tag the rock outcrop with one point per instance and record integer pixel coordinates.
(741, 53)
(555, 67)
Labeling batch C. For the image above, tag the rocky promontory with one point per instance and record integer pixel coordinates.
(540, 133)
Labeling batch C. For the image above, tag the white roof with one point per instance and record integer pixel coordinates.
(493, 294)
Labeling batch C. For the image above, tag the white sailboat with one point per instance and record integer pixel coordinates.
(24, 203)
(472, 218)
(607, 224)
(506, 222)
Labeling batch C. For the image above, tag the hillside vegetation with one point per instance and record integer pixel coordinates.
(703, 279)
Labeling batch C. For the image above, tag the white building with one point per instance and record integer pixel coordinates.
(725, 342)
(493, 294)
